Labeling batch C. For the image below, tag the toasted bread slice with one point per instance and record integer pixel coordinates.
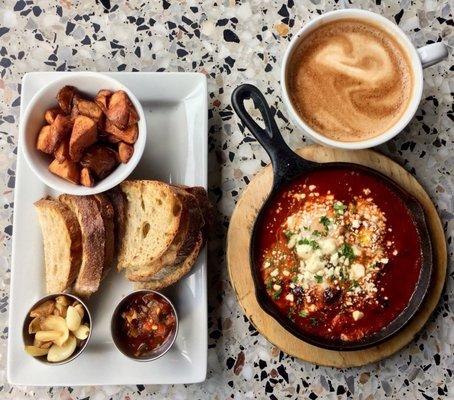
(205, 207)
(153, 218)
(93, 242)
(62, 244)
(181, 246)
(172, 274)
(107, 214)
(118, 200)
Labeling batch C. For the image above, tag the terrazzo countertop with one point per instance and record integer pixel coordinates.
(234, 42)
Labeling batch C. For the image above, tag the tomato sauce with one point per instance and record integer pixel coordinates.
(396, 282)
(144, 323)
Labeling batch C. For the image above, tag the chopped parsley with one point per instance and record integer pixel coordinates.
(318, 278)
(288, 234)
(295, 278)
(347, 251)
(314, 321)
(325, 221)
(311, 243)
(269, 284)
(303, 314)
(339, 207)
(317, 233)
(277, 294)
(354, 284)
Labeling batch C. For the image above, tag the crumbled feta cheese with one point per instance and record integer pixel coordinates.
(327, 246)
(311, 187)
(285, 272)
(276, 287)
(266, 264)
(289, 297)
(274, 273)
(357, 315)
(357, 271)
(356, 223)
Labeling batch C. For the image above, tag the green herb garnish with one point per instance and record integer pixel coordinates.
(295, 278)
(317, 233)
(318, 278)
(303, 314)
(269, 284)
(277, 294)
(311, 243)
(339, 207)
(347, 251)
(325, 221)
(288, 234)
(354, 284)
(314, 321)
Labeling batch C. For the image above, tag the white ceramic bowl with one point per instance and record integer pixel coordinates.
(88, 83)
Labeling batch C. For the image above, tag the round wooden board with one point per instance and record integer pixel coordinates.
(238, 242)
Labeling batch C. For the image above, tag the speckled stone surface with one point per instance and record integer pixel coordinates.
(234, 42)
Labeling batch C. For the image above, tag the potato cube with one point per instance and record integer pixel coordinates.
(67, 170)
(86, 178)
(65, 98)
(83, 135)
(51, 114)
(89, 109)
(101, 160)
(62, 151)
(44, 142)
(129, 135)
(102, 99)
(121, 112)
(125, 152)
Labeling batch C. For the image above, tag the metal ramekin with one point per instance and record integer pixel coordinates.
(156, 353)
(28, 337)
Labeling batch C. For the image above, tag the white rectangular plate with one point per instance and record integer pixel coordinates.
(175, 106)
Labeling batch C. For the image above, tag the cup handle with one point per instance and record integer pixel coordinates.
(432, 54)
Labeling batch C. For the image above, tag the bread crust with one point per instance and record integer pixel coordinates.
(47, 205)
(118, 200)
(172, 274)
(107, 214)
(93, 242)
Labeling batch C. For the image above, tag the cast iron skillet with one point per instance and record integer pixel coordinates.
(288, 166)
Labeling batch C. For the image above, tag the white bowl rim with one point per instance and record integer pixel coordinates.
(115, 177)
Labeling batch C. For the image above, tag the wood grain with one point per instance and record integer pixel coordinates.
(238, 242)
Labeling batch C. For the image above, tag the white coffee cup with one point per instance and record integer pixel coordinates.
(419, 59)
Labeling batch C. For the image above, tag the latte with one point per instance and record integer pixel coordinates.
(349, 80)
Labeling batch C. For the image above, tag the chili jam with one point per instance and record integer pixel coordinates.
(144, 323)
(339, 253)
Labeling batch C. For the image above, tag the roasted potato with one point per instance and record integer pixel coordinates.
(83, 135)
(62, 151)
(61, 128)
(89, 109)
(86, 177)
(66, 169)
(44, 142)
(102, 99)
(129, 135)
(120, 111)
(125, 152)
(101, 160)
(65, 98)
(51, 114)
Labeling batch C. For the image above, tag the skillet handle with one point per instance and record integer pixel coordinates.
(286, 163)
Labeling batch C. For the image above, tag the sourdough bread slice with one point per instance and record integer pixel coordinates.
(107, 215)
(118, 200)
(93, 242)
(62, 244)
(172, 274)
(205, 207)
(182, 245)
(154, 217)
